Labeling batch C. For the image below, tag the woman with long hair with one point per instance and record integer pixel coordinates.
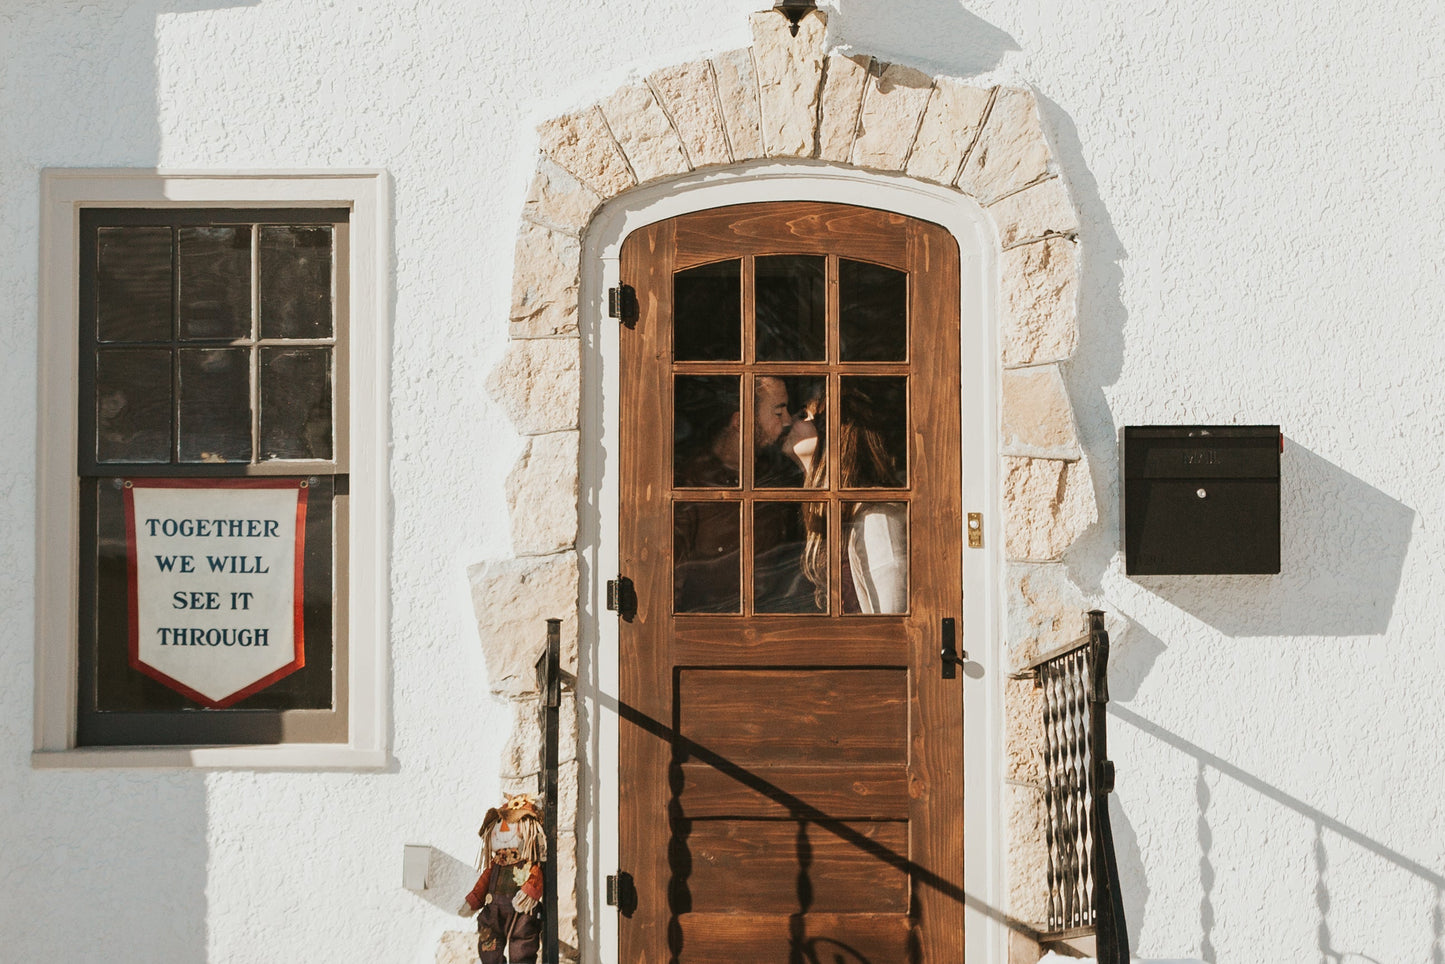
(875, 563)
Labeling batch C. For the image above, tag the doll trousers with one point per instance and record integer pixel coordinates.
(493, 924)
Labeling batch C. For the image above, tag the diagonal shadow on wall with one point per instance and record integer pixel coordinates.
(939, 36)
(98, 864)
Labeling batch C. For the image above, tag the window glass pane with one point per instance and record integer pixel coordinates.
(786, 452)
(791, 307)
(706, 442)
(133, 405)
(707, 312)
(873, 434)
(214, 287)
(875, 564)
(133, 284)
(872, 312)
(295, 403)
(790, 557)
(706, 560)
(215, 405)
(295, 281)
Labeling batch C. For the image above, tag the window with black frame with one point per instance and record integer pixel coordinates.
(213, 476)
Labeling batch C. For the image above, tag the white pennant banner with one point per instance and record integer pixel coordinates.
(215, 570)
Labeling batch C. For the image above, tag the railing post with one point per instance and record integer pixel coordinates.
(1111, 938)
(549, 680)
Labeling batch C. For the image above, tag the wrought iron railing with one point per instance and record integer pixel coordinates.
(549, 686)
(1083, 875)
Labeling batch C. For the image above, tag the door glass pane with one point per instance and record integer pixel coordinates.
(295, 403)
(875, 561)
(215, 281)
(295, 281)
(707, 312)
(215, 405)
(706, 441)
(873, 434)
(786, 452)
(791, 307)
(790, 557)
(133, 284)
(133, 405)
(872, 312)
(706, 558)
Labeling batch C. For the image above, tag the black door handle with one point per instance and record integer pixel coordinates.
(949, 652)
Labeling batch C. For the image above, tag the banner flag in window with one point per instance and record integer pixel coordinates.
(215, 581)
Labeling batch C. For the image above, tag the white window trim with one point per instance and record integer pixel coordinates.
(63, 193)
(986, 933)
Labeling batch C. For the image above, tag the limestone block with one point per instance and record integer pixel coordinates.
(842, 99)
(1028, 854)
(688, 94)
(544, 288)
(1011, 151)
(542, 495)
(892, 106)
(581, 143)
(1048, 504)
(1045, 610)
(644, 133)
(1036, 212)
(737, 92)
(457, 947)
(1038, 421)
(790, 71)
(513, 599)
(567, 788)
(949, 126)
(559, 200)
(522, 754)
(539, 384)
(1023, 714)
(1040, 302)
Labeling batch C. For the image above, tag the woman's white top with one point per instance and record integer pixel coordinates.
(878, 555)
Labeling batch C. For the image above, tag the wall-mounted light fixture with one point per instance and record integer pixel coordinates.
(794, 10)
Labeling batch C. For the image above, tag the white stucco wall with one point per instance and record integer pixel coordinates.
(1257, 186)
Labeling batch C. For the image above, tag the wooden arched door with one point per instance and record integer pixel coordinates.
(791, 744)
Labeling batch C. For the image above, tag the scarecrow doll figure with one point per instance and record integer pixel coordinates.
(509, 892)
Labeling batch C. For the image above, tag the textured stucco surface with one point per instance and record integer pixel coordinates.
(1245, 185)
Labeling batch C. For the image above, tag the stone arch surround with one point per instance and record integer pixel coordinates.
(783, 98)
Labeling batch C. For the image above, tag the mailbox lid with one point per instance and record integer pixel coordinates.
(1202, 451)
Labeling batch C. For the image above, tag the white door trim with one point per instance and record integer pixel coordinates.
(983, 605)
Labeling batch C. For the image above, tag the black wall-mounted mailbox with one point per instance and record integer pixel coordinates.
(1201, 499)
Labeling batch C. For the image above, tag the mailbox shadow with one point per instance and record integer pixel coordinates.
(1342, 554)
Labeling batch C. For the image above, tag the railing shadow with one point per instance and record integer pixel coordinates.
(1321, 821)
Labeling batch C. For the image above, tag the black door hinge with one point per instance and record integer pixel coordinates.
(622, 597)
(622, 304)
(621, 893)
